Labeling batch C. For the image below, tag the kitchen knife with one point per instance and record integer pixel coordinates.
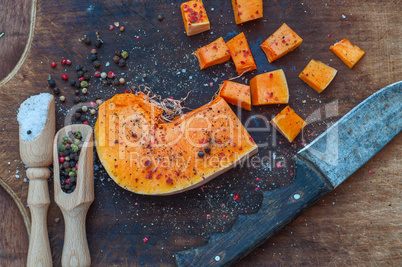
(319, 168)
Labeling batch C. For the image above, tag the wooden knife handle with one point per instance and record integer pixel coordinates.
(38, 200)
(279, 207)
(75, 248)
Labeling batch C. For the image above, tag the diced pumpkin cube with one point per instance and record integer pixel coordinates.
(236, 94)
(348, 52)
(280, 43)
(194, 17)
(246, 10)
(288, 123)
(241, 54)
(214, 53)
(269, 88)
(318, 75)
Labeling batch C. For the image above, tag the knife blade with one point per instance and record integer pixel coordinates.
(319, 168)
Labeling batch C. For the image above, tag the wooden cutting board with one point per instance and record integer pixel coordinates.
(118, 220)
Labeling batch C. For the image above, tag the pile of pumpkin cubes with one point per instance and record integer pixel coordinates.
(270, 87)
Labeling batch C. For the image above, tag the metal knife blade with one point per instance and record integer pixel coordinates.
(357, 136)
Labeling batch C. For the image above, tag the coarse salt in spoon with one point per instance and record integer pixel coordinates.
(36, 118)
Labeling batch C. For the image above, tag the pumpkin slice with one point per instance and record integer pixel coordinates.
(318, 75)
(349, 53)
(146, 155)
(195, 17)
(288, 123)
(236, 94)
(280, 43)
(246, 10)
(241, 54)
(215, 53)
(269, 88)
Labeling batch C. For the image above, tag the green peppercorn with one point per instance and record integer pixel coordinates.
(65, 140)
(77, 142)
(71, 173)
(78, 134)
(62, 148)
(74, 147)
(124, 54)
(84, 84)
(67, 158)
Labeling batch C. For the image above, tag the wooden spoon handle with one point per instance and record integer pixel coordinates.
(38, 200)
(75, 249)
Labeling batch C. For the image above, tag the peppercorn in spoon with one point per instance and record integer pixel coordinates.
(74, 189)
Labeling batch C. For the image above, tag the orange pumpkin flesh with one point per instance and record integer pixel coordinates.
(236, 94)
(281, 42)
(147, 156)
(212, 54)
(288, 123)
(269, 88)
(246, 10)
(318, 75)
(195, 17)
(349, 53)
(241, 54)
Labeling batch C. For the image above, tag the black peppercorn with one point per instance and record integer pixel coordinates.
(72, 82)
(51, 83)
(87, 76)
(98, 43)
(109, 82)
(77, 92)
(116, 83)
(122, 62)
(77, 115)
(96, 64)
(208, 150)
(80, 74)
(83, 98)
(117, 53)
(56, 90)
(76, 99)
(116, 59)
(78, 67)
(83, 118)
(160, 17)
(77, 84)
(93, 57)
(86, 40)
(84, 69)
(201, 154)
(29, 132)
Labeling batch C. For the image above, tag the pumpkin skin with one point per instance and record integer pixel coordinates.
(146, 155)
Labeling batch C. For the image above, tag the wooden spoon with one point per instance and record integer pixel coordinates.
(75, 205)
(37, 155)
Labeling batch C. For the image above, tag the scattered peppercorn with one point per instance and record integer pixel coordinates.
(98, 102)
(116, 59)
(62, 98)
(80, 74)
(76, 99)
(77, 92)
(84, 69)
(84, 91)
(83, 98)
(63, 62)
(86, 40)
(78, 67)
(96, 64)
(93, 57)
(87, 76)
(116, 83)
(68, 62)
(53, 64)
(124, 54)
(144, 75)
(122, 28)
(93, 111)
(117, 53)
(84, 108)
(84, 84)
(64, 77)
(51, 83)
(122, 81)
(160, 17)
(97, 74)
(103, 75)
(98, 43)
(110, 75)
(122, 62)
(94, 51)
(77, 115)
(81, 79)
(56, 90)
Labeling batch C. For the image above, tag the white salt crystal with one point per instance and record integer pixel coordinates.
(32, 116)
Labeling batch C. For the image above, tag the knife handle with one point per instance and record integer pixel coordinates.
(75, 248)
(279, 207)
(38, 200)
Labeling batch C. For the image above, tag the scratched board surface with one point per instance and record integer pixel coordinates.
(118, 220)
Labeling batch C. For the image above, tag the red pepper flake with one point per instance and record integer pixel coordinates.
(184, 6)
(236, 197)
(111, 27)
(240, 148)
(257, 12)
(271, 75)
(306, 74)
(239, 6)
(215, 47)
(256, 189)
(53, 64)
(291, 174)
(371, 172)
(283, 41)
(195, 5)
(145, 240)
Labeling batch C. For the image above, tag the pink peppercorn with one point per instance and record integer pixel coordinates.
(85, 122)
(81, 79)
(68, 181)
(97, 74)
(126, 92)
(145, 240)
(92, 104)
(53, 64)
(68, 62)
(61, 159)
(236, 197)
(63, 62)
(271, 75)
(111, 27)
(138, 38)
(371, 172)
(64, 77)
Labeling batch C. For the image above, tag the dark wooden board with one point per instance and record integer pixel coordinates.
(115, 231)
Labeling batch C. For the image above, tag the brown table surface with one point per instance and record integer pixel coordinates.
(359, 223)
